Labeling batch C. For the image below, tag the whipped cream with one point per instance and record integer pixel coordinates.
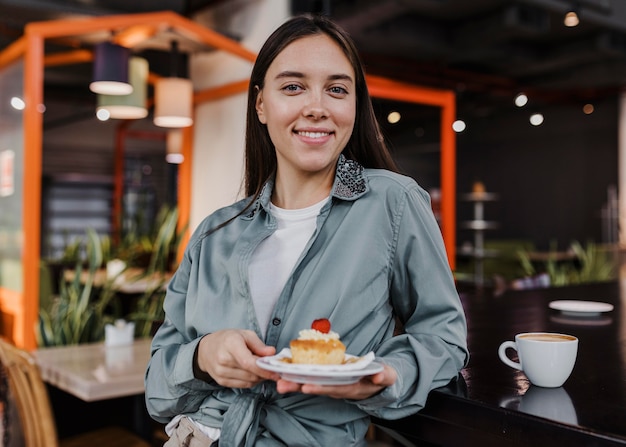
(313, 334)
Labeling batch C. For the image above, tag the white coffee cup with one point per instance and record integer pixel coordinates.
(546, 358)
(549, 403)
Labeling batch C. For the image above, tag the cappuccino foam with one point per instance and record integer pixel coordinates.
(548, 337)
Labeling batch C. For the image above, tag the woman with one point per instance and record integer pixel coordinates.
(329, 230)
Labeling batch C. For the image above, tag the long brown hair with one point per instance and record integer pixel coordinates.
(366, 144)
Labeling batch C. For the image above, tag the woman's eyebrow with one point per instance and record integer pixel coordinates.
(297, 74)
(340, 77)
(289, 74)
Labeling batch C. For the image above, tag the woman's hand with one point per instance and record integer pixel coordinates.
(366, 387)
(229, 357)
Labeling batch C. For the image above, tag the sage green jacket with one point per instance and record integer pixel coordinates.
(377, 253)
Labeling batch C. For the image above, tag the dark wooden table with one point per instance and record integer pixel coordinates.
(491, 404)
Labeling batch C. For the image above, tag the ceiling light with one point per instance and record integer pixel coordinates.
(521, 100)
(103, 114)
(174, 147)
(110, 70)
(173, 98)
(132, 106)
(536, 119)
(458, 126)
(571, 18)
(393, 117)
(18, 103)
(173, 102)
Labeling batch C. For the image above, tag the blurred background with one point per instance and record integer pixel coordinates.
(555, 182)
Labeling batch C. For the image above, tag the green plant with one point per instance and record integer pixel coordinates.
(81, 311)
(165, 241)
(74, 251)
(139, 247)
(75, 315)
(149, 309)
(590, 264)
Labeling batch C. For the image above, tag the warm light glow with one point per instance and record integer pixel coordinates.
(18, 103)
(588, 109)
(135, 35)
(571, 19)
(173, 102)
(174, 159)
(536, 119)
(521, 100)
(110, 88)
(393, 117)
(174, 147)
(458, 126)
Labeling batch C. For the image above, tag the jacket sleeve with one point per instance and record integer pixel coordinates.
(432, 349)
(171, 387)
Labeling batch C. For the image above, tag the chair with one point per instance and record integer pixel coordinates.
(35, 412)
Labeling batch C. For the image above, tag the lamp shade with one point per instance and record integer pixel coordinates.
(132, 106)
(174, 146)
(173, 102)
(110, 70)
(571, 19)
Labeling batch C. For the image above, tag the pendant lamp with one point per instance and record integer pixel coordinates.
(110, 70)
(571, 19)
(132, 106)
(174, 146)
(173, 97)
(572, 15)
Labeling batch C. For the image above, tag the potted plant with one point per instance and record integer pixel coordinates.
(83, 308)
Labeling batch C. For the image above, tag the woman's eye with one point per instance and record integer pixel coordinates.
(292, 88)
(338, 91)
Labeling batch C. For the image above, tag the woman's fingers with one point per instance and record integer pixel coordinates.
(229, 357)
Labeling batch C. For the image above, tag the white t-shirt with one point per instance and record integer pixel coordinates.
(274, 259)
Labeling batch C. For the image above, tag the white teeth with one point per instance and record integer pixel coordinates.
(314, 134)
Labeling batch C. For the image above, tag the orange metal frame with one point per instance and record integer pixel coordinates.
(129, 29)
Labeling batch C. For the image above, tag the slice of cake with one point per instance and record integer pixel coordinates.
(318, 345)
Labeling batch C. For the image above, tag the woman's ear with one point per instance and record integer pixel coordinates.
(259, 105)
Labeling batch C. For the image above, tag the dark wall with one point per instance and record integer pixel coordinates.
(552, 180)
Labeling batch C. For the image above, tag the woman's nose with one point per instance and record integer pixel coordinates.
(315, 106)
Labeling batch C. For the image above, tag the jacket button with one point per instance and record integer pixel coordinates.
(276, 321)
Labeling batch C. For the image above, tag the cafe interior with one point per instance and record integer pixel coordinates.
(511, 114)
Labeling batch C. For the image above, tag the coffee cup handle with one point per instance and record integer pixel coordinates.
(505, 359)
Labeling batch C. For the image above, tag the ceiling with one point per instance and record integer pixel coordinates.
(484, 50)
(489, 50)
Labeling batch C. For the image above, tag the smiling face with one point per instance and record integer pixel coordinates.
(308, 103)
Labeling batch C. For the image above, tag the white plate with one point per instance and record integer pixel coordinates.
(581, 308)
(321, 374)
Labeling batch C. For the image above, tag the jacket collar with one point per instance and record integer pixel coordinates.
(350, 184)
(350, 181)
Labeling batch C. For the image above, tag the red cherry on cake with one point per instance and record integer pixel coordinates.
(322, 325)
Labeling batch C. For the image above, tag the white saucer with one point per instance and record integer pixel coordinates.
(581, 308)
(321, 374)
(603, 320)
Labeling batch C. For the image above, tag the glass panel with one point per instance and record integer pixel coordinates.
(11, 174)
